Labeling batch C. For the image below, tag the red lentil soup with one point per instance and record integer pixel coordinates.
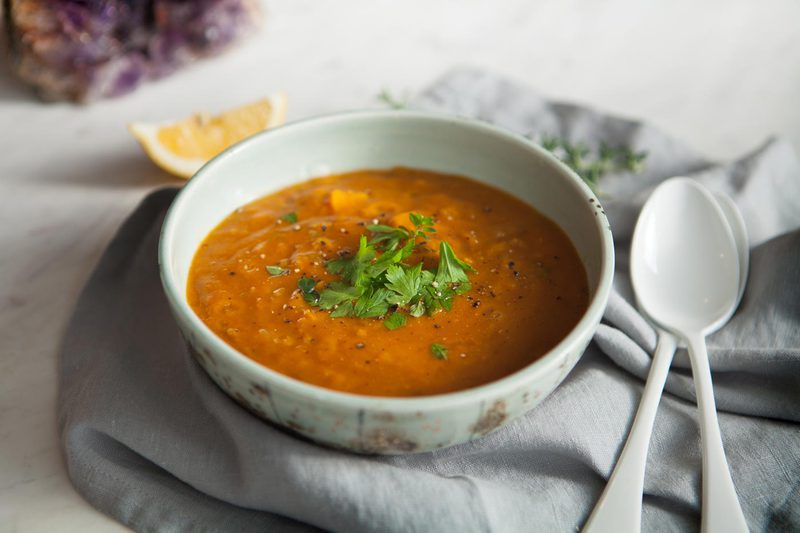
(529, 288)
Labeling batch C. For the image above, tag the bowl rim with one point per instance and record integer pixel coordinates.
(261, 374)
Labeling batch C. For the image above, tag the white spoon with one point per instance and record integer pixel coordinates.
(739, 230)
(619, 507)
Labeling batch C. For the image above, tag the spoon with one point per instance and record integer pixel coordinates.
(619, 507)
(739, 230)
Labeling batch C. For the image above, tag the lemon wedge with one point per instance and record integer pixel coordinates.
(183, 146)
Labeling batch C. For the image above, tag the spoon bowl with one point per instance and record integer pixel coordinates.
(739, 231)
(685, 267)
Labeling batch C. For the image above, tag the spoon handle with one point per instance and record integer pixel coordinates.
(620, 506)
(721, 509)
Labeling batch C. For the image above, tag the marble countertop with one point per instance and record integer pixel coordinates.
(722, 75)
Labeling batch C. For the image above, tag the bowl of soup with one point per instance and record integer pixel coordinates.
(387, 282)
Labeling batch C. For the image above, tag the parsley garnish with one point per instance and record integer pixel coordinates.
(439, 351)
(276, 270)
(307, 287)
(395, 320)
(291, 218)
(377, 283)
(451, 268)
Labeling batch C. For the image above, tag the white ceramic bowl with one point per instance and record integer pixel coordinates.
(275, 159)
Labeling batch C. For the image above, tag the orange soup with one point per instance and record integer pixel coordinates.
(288, 281)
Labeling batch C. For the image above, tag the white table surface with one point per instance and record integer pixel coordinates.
(723, 75)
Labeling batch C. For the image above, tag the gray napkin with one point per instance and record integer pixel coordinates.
(150, 440)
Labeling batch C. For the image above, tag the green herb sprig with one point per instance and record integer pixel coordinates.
(590, 164)
(291, 218)
(274, 270)
(376, 282)
(439, 351)
(392, 101)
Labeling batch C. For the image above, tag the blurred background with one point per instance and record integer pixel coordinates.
(722, 76)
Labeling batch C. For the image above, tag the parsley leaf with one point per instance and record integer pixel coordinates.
(352, 269)
(345, 309)
(420, 220)
(405, 283)
(372, 304)
(395, 320)
(291, 218)
(417, 309)
(307, 288)
(384, 262)
(276, 270)
(436, 298)
(388, 237)
(451, 269)
(439, 351)
(338, 293)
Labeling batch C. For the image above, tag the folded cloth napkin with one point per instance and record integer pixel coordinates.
(150, 440)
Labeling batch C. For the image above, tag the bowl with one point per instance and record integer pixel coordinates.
(281, 157)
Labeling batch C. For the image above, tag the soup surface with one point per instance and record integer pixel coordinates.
(529, 288)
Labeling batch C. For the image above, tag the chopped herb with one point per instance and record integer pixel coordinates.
(337, 294)
(439, 351)
(390, 100)
(405, 283)
(390, 237)
(307, 288)
(353, 269)
(451, 268)
(417, 310)
(344, 309)
(591, 165)
(395, 320)
(291, 218)
(377, 283)
(372, 304)
(420, 220)
(276, 270)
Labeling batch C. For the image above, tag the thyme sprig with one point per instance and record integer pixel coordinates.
(590, 164)
(593, 164)
(391, 100)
